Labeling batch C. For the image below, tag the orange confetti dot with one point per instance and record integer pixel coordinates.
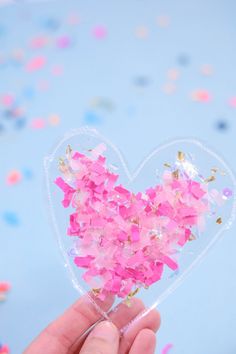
(207, 70)
(142, 32)
(173, 74)
(163, 21)
(54, 119)
(169, 88)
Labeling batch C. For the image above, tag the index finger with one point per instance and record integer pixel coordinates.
(61, 334)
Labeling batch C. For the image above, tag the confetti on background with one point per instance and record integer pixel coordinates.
(4, 349)
(11, 218)
(222, 125)
(99, 32)
(167, 348)
(201, 96)
(4, 289)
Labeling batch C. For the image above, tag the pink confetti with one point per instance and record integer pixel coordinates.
(4, 349)
(99, 32)
(38, 123)
(63, 42)
(36, 63)
(57, 70)
(123, 240)
(167, 348)
(39, 42)
(7, 100)
(4, 286)
(201, 96)
(232, 102)
(13, 177)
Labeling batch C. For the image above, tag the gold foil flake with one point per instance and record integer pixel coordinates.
(68, 150)
(219, 220)
(210, 179)
(181, 156)
(192, 237)
(214, 169)
(61, 161)
(175, 174)
(167, 165)
(132, 294)
(96, 292)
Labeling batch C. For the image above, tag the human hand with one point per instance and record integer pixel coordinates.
(77, 330)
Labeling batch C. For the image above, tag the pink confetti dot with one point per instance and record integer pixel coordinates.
(63, 42)
(13, 177)
(163, 21)
(57, 70)
(167, 348)
(201, 96)
(142, 32)
(73, 19)
(232, 102)
(38, 123)
(99, 32)
(39, 42)
(7, 100)
(36, 63)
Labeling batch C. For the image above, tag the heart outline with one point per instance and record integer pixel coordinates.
(131, 177)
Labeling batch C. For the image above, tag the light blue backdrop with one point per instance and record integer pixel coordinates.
(200, 317)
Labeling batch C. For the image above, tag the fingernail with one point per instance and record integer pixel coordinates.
(106, 330)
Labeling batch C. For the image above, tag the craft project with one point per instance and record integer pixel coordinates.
(120, 233)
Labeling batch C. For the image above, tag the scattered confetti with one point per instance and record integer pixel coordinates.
(169, 88)
(11, 218)
(142, 32)
(173, 74)
(232, 102)
(183, 60)
(51, 24)
(38, 123)
(207, 70)
(63, 42)
(39, 42)
(227, 192)
(222, 125)
(141, 81)
(102, 103)
(43, 85)
(99, 32)
(91, 118)
(167, 348)
(54, 119)
(73, 19)
(7, 100)
(163, 21)
(4, 349)
(27, 173)
(36, 63)
(13, 177)
(57, 70)
(201, 96)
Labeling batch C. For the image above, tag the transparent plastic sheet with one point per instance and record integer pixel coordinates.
(178, 163)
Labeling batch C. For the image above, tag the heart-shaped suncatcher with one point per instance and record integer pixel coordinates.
(124, 234)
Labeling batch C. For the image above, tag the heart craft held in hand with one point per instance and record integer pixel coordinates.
(124, 240)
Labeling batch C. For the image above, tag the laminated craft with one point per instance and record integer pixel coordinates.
(127, 234)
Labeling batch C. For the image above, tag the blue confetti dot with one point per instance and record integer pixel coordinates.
(222, 125)
(27, 173)
(11, 218)
(183, 60)
(51, 24)
(91, 117)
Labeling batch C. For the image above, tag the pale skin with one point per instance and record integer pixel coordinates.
(81, 330)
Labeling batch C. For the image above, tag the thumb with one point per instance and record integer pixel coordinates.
(104, 339)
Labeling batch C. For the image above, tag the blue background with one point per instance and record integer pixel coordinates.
(130, 73)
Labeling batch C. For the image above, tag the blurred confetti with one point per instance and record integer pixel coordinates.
(141, 81)
(64, 42)
(169, 88)
(232, 102)
(183, 59)
(201, 95)
(142, 32)
(90, 117)
(102, 103)
(4, 289)
(11, 218)
(54, 119)
(173, 74)
(207, 70)
(36, 63)
(4, 349)
(222, 125)
(99, 32)
(163, 21)
(38, 123)
(13, 177)
(167, 348)
(51, 24)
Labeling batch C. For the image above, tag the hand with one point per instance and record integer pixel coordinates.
(77, 330)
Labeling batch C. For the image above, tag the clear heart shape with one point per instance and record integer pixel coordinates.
(188, 158)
